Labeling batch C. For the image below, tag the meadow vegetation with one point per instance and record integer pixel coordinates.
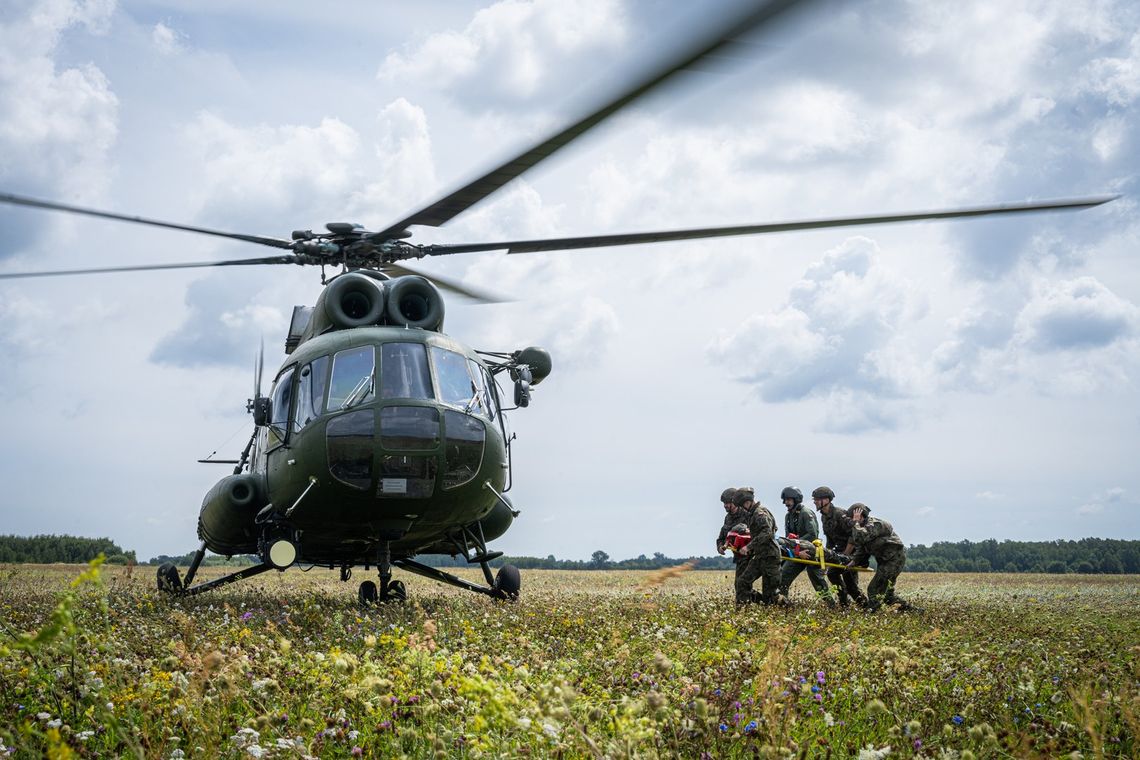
(95, 663)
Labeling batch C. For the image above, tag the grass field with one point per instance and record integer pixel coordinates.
(587, 664)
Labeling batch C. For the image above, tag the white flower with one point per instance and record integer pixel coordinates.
(43, 716)
(55, 723)
(870, 753)
(828, 719)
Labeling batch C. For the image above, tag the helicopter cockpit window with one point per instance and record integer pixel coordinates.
(463, 448)
(279, 412)
(409, 428)
(455, 386)
(352, 378)
(311, 392)
(481, 402)
(404, 371)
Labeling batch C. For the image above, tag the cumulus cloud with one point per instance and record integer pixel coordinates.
(832, 338)
(1076, 315)
(166, 40)
(511, 50)
(57, 125)
(227, 316)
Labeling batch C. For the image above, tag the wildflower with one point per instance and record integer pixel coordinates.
(246, 616)
(819, 677)
(917, 744)
(870, 753)
(723, 727)
(357, 752)
(750, 727)
(876, 707)
(828, 719)
(958, 720)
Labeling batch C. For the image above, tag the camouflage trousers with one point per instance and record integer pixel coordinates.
(847, 582)
(881, 589)
(766, 568)
(791, 570)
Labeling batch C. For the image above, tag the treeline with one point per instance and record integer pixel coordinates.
(1087, 555)
(67, 549)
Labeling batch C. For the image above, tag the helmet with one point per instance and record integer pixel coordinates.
(727, 495)
(792, 493)
(743, 495)
(823, 492)
(740, 528)
(858, 505)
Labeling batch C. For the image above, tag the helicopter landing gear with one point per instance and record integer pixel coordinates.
(504, 586)
(388, 590)
(369, 594)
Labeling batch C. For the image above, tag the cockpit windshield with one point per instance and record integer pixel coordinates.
(352, 380)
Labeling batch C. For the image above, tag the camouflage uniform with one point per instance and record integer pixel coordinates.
(802, 522)
(731, 519)
(762, 560)
(876, 538)
(837, 532)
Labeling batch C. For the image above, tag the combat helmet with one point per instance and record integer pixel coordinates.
(727, 495)
(823, 492)
(743, 495)
(794, 494)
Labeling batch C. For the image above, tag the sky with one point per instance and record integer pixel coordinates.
(967, 379)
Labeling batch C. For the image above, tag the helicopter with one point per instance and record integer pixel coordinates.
(382, 438)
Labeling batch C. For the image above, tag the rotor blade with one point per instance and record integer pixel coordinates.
(477, 295)
(288, 259)
(635, 238)
(714, 39)
(20, 200)
(258, 368)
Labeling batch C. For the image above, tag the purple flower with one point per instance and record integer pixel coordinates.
(247, 616)
(819, 677)
(357, 752)
(717, 692)
(818, 697)
(918, 744)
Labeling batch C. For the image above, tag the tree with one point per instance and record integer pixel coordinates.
(599, 559)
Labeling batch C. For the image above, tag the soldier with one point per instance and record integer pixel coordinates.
(730, 519)
(837, 533)
(872, 537)
(726, 497)
(760, 558)
(800, 523)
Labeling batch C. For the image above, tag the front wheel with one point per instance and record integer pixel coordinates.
(507, 583)
(367, 594)
(169, 581)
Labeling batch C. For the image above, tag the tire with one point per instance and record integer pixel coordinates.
(169, 581)
(508, 582)
(367, 594)
(397, 592)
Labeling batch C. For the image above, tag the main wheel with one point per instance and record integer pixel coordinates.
(169, 581)
(396, 592)
(507, 582)
(367, 594)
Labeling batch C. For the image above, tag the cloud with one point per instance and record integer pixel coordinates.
(1090, 509)
(57, 126)
(511, 50)
(166, 40)
(227, 317)
(833, 338)
(989, 496)
(924, 511)
(1075, 315)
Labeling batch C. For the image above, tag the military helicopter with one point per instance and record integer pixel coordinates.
(382, 438)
